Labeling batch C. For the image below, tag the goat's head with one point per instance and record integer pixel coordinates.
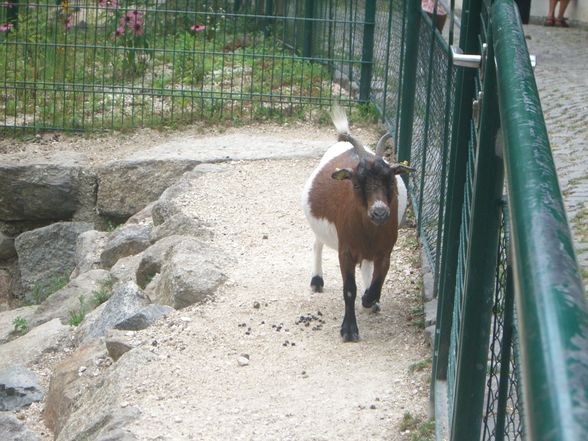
(373, 180)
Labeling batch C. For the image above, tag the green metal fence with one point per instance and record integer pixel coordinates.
(511, 340)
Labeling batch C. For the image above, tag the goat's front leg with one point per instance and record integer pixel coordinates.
(371, 297)
(349, 330)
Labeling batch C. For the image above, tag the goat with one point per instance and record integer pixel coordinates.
(354, 201)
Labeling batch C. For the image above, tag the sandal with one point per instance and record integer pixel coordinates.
(562, 22)
(549, 21)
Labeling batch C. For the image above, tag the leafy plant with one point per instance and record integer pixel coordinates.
(21, 326)
(103, 294)
(419, 429)
(77, 316)
(41, 290)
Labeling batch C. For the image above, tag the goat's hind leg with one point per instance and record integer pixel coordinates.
(317, 282)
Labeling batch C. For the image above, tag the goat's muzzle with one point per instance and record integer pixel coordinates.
(379, 213)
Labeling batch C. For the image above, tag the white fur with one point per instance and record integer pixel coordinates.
(367, 271)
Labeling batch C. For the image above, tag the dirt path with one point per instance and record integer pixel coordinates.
(301, 382)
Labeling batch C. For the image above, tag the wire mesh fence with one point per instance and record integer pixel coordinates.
(105, 64)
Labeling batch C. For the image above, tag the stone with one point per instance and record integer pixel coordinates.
(125, 269)
(19, 388)
(430, 335)
(27, 349)
(43, 191)
(428, 292)
(61, 303)
(126, 300)
(126, 241)
(48, 252)
(144, 317)
(11, 429)
(7, 318)
(67, 385)
(191, 274)
(89, 246)
(118, 344)
(152, 259)
(122, 191)
(181, 224)
(5, 286)
(7, 249)
(142, 217)
(97, 412)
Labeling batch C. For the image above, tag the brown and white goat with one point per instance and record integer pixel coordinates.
(354, 201)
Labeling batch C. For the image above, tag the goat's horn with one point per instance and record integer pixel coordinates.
(382, 145)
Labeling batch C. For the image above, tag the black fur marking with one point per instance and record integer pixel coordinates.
(349, 330)
(317, 284)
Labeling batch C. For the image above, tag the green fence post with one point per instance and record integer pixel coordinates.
(445, 279)
(411, 47)
(367, 53)
(308, 28)
(551, 306)
(480, 270)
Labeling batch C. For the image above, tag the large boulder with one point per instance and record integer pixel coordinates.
(11, 429)
(126, 300)
(144, 317)
(25, 350)
(96, 410)
(43, 191)
(181, 224)
(48, 252)
(125, 269)
(192, 272)
(122, 189)
(7, 249)
(79, 292)
(126, 241)
(19, 387)
(89, 246)
(152, 259)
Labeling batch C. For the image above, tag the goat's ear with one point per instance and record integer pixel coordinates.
(340, 174)
(399, 169)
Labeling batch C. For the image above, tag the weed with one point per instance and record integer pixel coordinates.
(76, 316)
(419, 429)
(420, 365)
(41, 290)
(21, 326)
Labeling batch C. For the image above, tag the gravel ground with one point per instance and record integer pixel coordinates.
(300, 382)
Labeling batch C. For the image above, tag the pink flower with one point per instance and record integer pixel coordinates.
(5, 27)
(111, 4)
(197, 28)
(68, 23)
(119, 31)
(137, 29)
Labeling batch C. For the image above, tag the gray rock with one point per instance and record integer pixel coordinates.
(125, 269)
(190, 275)
(5, 287)
(118, 344)
(181, 224)
(7, 249)
(61, 303)
(430, 335)
(47, 192)
(152, 259)
(127, 300)
(48, 252)
(27, 349)
(11, 429)
(142, 217)
(7, 319)
(122, 189)
(97, 413)
(19, 387)
(144, 318)
(126, 241)
(89, 246)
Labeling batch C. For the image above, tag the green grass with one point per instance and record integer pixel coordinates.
(21, 326)
(77, 316)
(43, 289)
(420, 365)
(418, 428)
(103, 294)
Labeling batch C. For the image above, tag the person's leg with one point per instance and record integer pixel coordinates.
(560, 20)
(549, 21)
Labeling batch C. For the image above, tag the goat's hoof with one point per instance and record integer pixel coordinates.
(317, 284)
(349, 333)
(367, 301)
(376, 307)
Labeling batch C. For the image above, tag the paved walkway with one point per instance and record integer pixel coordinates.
(562, 79)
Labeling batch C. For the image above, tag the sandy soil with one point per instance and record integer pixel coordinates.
(300, 382)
